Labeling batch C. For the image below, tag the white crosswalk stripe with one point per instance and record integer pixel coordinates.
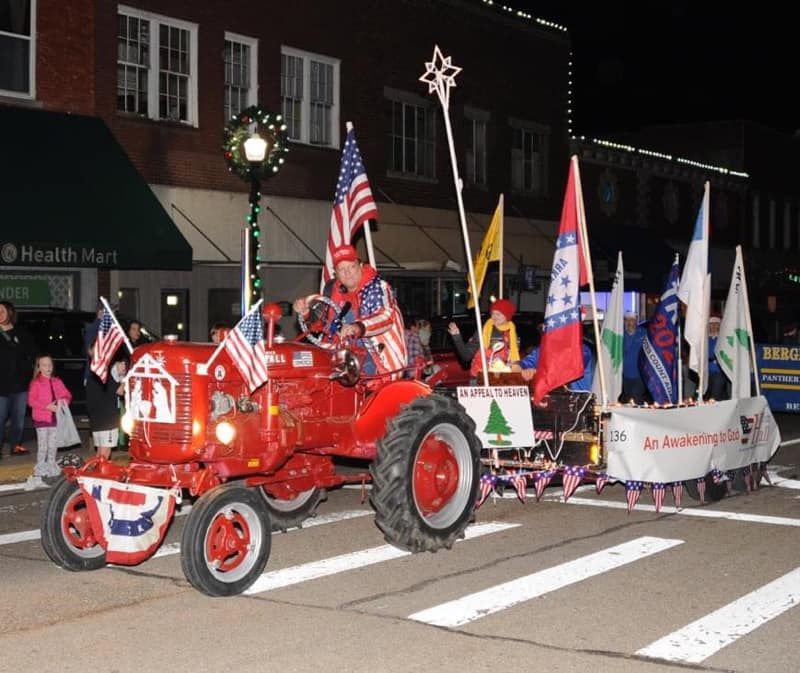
(503, 596)
(331, 566)
(701, 639)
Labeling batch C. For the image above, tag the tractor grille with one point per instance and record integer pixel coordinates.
(178, 433)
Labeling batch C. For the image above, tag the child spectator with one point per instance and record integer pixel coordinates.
(45, 394)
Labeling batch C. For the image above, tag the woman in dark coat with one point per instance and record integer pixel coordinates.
(103, 402)
(17, 350)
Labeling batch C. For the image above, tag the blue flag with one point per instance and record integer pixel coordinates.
(658, 359)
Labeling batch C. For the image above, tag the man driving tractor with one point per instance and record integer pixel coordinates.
(370, 311)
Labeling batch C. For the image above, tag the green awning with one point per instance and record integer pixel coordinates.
(70, 196)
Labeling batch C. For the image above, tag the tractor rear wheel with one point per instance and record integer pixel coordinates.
(286, 514)
(226, 541)
(67, 535)
(425, 478)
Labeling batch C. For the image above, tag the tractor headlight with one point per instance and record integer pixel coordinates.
(225, 432)
(127, 423)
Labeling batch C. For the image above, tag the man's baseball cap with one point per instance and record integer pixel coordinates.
(344, 253)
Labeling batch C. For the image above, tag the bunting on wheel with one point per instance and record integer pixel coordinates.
(128, 520)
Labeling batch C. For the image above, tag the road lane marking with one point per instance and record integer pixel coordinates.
(779, 481)
(22, 536)
(333, 517)
(702, 513)
(475, 606)
(701, 639)
(305, 572)
(790, 442)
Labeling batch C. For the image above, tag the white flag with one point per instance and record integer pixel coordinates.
(733, 344)
(693, 290)
(610, 353)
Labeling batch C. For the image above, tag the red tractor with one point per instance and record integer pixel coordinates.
(263, 461)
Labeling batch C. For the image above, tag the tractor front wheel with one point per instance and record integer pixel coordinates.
(425, 478)
(226, 541)
(67, 535)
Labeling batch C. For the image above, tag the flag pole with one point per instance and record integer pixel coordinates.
(502, 249)
(584, 236)
(116, 322)
(750, 334)
(367, 231)
(440, 77)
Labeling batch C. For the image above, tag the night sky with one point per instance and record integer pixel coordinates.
(639, 63)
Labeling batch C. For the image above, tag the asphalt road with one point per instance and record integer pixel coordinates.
(548, 586)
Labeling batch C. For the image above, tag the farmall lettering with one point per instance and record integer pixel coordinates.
(150, 391)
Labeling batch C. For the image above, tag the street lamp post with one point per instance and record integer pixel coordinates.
(254, 148)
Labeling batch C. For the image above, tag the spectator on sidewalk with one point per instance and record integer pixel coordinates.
(45, 394)
(103, 403)
(17, 349)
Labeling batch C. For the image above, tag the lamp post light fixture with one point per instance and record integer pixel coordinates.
(254, 148)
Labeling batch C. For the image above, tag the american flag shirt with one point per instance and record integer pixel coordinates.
(375, 308)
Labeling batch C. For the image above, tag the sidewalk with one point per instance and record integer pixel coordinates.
(14, 469)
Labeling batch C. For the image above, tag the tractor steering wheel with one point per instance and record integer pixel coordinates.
(322, 323)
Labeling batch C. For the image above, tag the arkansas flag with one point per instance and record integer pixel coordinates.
(561, 350)
(128, 520)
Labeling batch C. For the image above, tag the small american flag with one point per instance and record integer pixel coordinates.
(677, 493)
(571, 479)
(633, 490)
(541, 481)
(245, 345)
(657, 491)
(600, 482)
(353, 203)
(701, 489)
(520, 482)
(487, 483)
(109, 338)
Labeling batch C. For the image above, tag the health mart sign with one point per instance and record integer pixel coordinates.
(34, 254)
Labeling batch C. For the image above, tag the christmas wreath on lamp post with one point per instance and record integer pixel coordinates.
(254, 148)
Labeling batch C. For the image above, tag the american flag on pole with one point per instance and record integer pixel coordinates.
(353, 203)
(245, 345)
(109, 338)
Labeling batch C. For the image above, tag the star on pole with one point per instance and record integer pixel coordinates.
(440, 74)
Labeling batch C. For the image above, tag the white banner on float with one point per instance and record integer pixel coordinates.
(502, 414)
(665, 445)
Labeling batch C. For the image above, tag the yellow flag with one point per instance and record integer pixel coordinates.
(491, 251)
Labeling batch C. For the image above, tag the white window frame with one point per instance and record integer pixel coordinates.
(543, 132)
(473, 116)
(252, 43)
(153, 69)
(305, 108)
(403, 97)
(31, 39)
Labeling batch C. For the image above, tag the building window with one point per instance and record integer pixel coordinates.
(310, 97)
(241, 73)
(475, 147)
(17, 47)
(411, 138)
(529, 157)
(156, 79)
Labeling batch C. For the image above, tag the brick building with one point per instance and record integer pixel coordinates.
(165, 75)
